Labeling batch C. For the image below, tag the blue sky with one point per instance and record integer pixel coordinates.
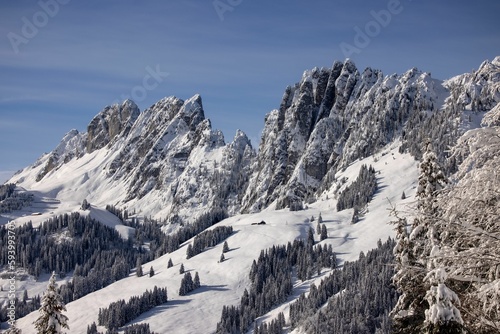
(62, 61)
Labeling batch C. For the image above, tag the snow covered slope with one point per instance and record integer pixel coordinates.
(223, 283)
(166, 162)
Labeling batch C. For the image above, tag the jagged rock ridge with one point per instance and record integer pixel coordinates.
(167, 160)
(336, 115)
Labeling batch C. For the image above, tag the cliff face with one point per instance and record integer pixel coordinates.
(113, 121)
(334, 116)
(168, 161)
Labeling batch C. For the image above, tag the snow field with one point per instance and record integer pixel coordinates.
(223, 283)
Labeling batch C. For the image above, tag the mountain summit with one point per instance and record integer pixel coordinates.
(167, 160)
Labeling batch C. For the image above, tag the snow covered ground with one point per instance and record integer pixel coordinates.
(223, 283)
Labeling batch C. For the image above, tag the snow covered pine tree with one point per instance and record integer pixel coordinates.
(470, 228)
(426, 304)
(51, 319)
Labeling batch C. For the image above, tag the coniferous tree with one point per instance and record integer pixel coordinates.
(196, 281)
(355, 216)
(25, 296)
(187, 284)
(225, 247)
(310, 237)
(85, 205)
(442, 316)
(139, 272)
(170, 264)
(222, 258)
(324, 232)
(181, 269)
(51, 319)
(92, 329)
(151, 272)
(189, 252)
(419, 277)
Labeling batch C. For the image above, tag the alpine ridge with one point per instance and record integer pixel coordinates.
(265, 231)
(169, 162)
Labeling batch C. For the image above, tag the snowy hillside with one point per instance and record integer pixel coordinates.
(161, 162)
(223, 283)
(344, 145)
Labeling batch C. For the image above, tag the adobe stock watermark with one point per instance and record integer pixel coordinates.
(31, 26)
(11, 274)
(373, 28)
(153, 78)
(223, 6)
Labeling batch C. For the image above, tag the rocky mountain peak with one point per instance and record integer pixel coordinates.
(192, 111)
(110, 122)
(168, 160)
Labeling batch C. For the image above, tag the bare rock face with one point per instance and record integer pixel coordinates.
(112, 121)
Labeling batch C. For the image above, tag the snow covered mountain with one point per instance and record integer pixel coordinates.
(167, 162)
(334, 116)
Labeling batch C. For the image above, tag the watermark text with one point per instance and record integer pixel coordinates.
(363, 36)
(151, 80)
(223, 6)
(31, 26)
(11, 273)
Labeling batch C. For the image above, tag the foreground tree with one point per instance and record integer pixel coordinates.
(419, 277)
(470, 230)
(455, 240)
(442, 316)
(51, 319)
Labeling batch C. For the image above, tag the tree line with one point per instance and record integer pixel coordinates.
(271, 281)
(356, 299)
(97, 254)
(120, 312)
(360, 192)
(11, 201)
(209, 238)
